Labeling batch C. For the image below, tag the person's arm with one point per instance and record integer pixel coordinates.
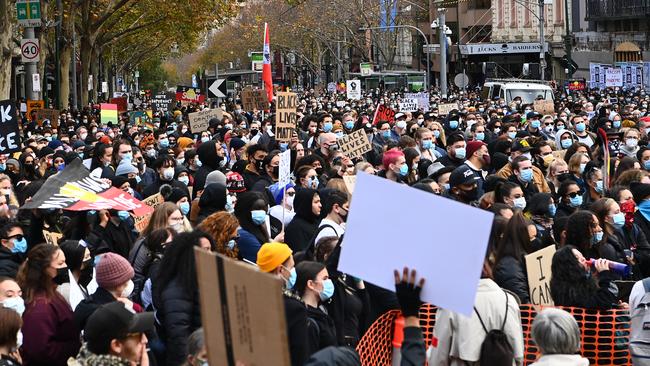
(607, 295)
(408, 294)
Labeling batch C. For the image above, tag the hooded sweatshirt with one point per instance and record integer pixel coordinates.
(559, 134)
(212, 200)
(304, 225)
(210, 161)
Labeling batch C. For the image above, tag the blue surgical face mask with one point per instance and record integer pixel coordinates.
(127, 157)
(453, 125)
(349, 125)
(552, 209)
(526, 175)
(616, 124)
(123, 215)
(284, 145)
(599, 186)
(205, 139)
(185, 208)
(229, 206)
(403, 170)
(15, 303)
(164, 143)
(231, 244)
(480, 136)
(644, 208)
(580, 127)
(566, 143)
(292, 278)
(597, 238)
(184, 179)
(328, 290)
(198, 162)
(576, 201)
(385, 134)
(618, 220)
(81, 155)
(519, 203)
(20, 246)
(427, 144)
(646, 164)
(436, 133)
(338, 134)
(138, 179)
(447, 186)
(512, 135)
(3, 167)
(535, 123)
(582, 168)
(327, 126)
(460, 153)
(258, 217)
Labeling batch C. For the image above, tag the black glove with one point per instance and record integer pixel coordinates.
(408, 294)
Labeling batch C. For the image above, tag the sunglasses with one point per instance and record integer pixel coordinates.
(573, 195)
(291, 194)
(18, 237)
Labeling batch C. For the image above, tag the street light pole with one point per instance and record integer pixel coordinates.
(442, 12)
(567, 38)
(542, 58)
(426, 42)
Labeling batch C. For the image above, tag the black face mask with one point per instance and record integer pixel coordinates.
(259, 164)
(562, 177)
(86, 273)
(276, 171)
(319, 171)
(62, 276)
(470, 195)
(254, 132)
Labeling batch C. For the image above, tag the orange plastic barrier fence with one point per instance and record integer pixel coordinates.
(604, 335)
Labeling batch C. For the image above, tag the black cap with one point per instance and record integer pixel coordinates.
(532, 115)
(640, 191)
(521, 145)
(462, 175)
(115, 321)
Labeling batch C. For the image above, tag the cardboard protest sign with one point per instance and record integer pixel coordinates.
(383, 113)
(444, 109)
(51, 115)
(33, 106)
(422, 98)
(254, 100)
(538, 266)
(76, 190)
(350, 181)
(285, 116)
(242, 310)
(52, 237)
(122, 103)
(9, 131)
(200, 121)
(154, 201)
(450, 261)
(408, 105)
(613, 77)
(163, 102)
(544, 106)
(189, 94)
(355, 144)
(108, 113)
(284, 177)
(353, 89)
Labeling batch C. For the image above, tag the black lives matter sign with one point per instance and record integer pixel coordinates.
(285, 116)
(9, 132)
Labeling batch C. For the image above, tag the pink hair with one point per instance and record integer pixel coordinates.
(390, 157)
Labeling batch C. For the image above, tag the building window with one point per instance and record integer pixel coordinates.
(479, 4)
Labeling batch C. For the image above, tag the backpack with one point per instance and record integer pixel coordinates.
(640, 329)
(496, 350)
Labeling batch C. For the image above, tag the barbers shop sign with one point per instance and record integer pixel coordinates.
(498, 48)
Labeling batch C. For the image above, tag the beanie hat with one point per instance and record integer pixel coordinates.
(55, 144)
(237, 143)
(640, 191)
(184, 142)
(277, 191)
(235, 182)
(473, 146)
(112, 271)
(215, 177)
(271, 255)
(125, 167)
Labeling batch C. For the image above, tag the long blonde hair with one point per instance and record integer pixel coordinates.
(159, 218)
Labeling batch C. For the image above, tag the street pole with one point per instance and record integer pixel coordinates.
(30, 69)
(567, 38)
(542, 58)
(74, 68)
(339, 69)
(57, 77)
(443, 51)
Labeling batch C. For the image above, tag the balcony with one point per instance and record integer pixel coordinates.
(598, 10)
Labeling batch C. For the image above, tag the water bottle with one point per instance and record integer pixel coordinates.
(616, 267)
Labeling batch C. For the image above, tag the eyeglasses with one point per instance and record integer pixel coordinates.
(18, 237)
(291, 194)
(573, 195)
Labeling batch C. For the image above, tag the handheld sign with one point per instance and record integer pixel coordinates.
(350, 181)
(544, 106)
(51, 115)
(451, 261)
(355, 144)
(285, 168)
(285, 116)
(353, 88)
(444, 109)
(9, 132)
(254, 100)
(538, 268)
(33, 106)
(242, 311)
(108, 113)
(408, 105)
(200, 121)
(122, 103)
(383, 113)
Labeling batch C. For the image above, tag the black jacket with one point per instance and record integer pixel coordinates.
(296, 315)
(529, 190)
(510, 274)
(210, 161)
(179, 314)
(9, 263)
(304, 225)
(213, 199)
(154, 187)
(633, 238)
(564, 210)
(116, 237)
(448, 160)
(321, 330)
(87, 307)
(604, 298)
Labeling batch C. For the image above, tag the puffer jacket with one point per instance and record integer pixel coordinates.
(510, 274)
(87, 358)
(178, 314)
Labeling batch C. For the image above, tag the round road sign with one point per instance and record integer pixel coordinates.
(30, 50)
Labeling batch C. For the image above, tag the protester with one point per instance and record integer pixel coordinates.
(11, 337)
(557, 337)
(13, 246)
(222, 227)
(509, 269)
(304, 225)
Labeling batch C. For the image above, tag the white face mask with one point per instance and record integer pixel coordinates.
(290, 200)
(19, 339)
(128, 289)
(168, 173)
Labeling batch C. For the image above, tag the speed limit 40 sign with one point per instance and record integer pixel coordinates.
(29, 50)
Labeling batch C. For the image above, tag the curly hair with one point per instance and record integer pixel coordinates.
(220, 226)
(578, 232)
(32, 278)
(571, 285)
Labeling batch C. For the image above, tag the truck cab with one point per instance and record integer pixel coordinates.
(509, 89)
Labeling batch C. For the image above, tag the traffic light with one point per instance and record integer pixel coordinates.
(568, 64)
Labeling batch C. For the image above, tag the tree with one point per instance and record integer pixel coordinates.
(7, 45)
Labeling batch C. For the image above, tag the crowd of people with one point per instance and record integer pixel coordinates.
(577, 178)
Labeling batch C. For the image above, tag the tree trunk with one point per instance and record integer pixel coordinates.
(7, 9)
(64, 86)
(94, 70)
(85, 51)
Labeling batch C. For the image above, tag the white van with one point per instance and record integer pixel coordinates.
(509, 89)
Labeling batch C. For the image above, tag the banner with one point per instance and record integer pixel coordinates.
(538, 266)
(613, 77)
(576, 85)
(383, 113)
(9, 131)
(285, 116)
(355, 144)
(597, 75)
(74, 189)
(200, 121)
(254, 100)
(544, 106)
(142, 221)
(189, 94)
(108, 113)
